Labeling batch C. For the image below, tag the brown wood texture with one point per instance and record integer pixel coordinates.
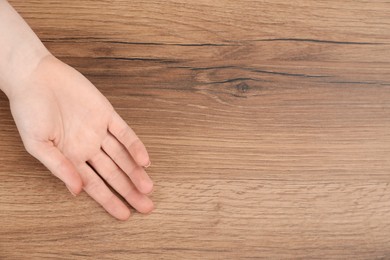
(268, 125)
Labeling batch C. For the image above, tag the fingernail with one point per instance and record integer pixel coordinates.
(148, 165)
(71, 192)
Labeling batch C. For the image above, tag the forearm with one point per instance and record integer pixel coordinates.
(20, 49)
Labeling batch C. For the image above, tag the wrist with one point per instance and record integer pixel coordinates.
(21, 64)
(21, 50)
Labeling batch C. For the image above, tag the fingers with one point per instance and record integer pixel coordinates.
(58, 164)
(98, 190)
(119, 128)
(118, 180)
(122, 158)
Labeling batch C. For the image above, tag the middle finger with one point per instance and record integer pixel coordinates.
(119, 181)
(120, 156)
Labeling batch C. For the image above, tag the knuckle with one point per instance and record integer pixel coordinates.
(61, 167)
(117, 155)
(107, 199)
(123, 132)
(92, 185)
(30, 148)
(113, 175)
(132, 146)
(128, 195)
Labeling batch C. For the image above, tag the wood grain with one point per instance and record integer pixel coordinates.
(268, 125)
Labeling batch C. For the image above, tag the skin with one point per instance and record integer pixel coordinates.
(68, 125)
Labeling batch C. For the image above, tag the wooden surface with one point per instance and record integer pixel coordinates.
(268, 125)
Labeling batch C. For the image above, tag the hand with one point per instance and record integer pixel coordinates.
(68, 125)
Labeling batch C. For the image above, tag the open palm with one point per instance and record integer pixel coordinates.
(68, 125)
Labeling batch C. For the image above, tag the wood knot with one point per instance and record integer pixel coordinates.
(242, 87)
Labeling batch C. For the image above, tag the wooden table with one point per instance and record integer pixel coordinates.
(268, 125)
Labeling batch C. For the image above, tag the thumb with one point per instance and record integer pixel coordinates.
(58, 164)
